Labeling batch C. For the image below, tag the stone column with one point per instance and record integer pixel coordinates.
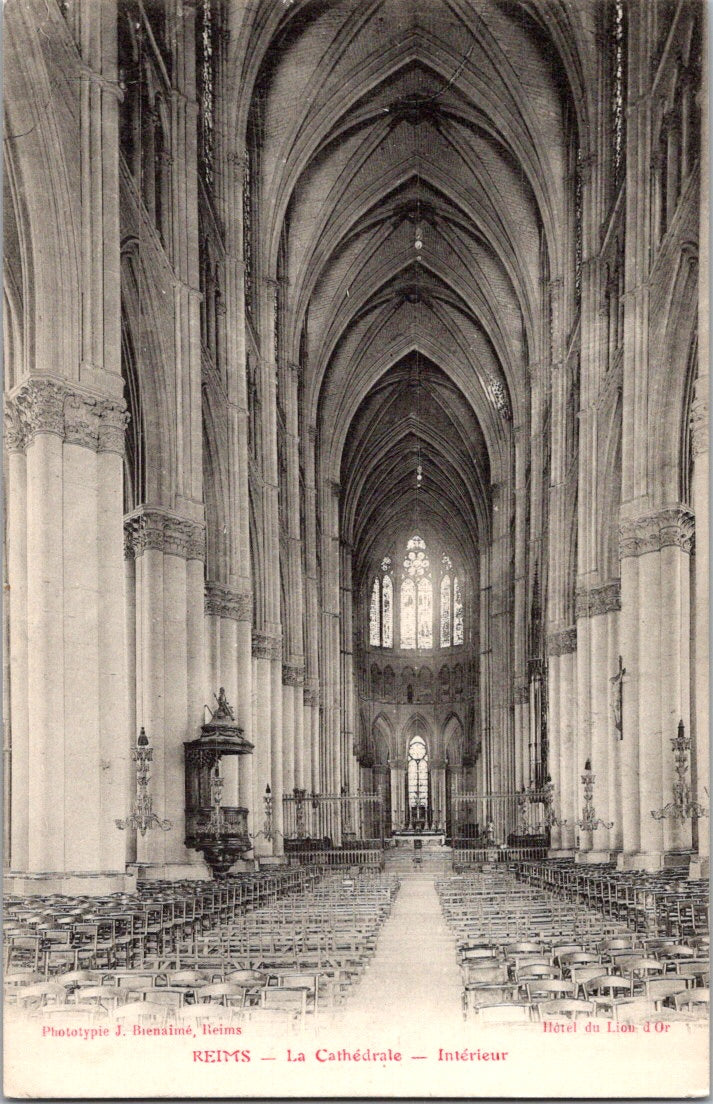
(629, 775)
(45, 674)
(262, 735)
(244, 712)
(69, 677)
(293, 684)
(398, 794)
(660, 544)
(700, 618)
(227, 618)
(555, 736)
(303, 767)
(288, 732)
(593, 607)
(438, 793)
(17, 723)
(382, 814)
(312, 778)
(276, 747)
(112, 635)
(168, 551)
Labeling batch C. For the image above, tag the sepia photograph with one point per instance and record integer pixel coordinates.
(356, 641)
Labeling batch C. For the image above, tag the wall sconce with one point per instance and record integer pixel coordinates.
(682, 807)
(589, 821)
(142, 817)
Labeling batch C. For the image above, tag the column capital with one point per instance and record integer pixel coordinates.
(266, 647)
(310, 695)
(671, 526)
(159, 530)
(292, 675)
(223, 601)
(49, 405)
(592, 601)
(563, 642)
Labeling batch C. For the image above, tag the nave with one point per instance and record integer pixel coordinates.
(308, 948)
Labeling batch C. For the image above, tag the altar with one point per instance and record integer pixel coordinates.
(428, 840)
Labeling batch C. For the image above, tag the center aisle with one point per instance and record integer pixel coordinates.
(413, 977)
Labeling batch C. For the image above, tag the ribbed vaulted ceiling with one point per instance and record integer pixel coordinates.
(387, 123)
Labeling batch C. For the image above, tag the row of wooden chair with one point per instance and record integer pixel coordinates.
(295, 955)
(594, 967)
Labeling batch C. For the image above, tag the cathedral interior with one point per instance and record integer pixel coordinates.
(356, 430)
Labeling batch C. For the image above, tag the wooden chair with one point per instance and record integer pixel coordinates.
(108, 997)
(691, 999)
(504, 1014)
(281, 998)
(34, 997)
(638, 969)
(206, 1013)
(225, 993)
(545, 989)
(581, 975)
(24, 952)
(567, 1007)
(145, 1013)
(605, 989)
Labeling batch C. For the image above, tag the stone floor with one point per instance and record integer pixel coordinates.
(413, 977)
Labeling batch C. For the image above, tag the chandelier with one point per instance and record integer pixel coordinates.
(682, 807)
(142, 816)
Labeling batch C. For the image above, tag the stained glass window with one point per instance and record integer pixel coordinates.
(457, 612)
(418, 781)
(374, 633)
(387, 612)
(408, 613)
(416, 564)
(446, 611)
(425, 613)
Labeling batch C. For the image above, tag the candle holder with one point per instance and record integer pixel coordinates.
(142, 817)
(589, 821)
(547, 797)
(682, 807)
(300, 812)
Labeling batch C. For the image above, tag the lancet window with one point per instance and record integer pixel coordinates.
(418, 607)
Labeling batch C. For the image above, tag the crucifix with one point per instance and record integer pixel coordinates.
(617, 682)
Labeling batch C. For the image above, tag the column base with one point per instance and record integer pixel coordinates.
(592, 856)
(93, 883)
(700, 867)
(244, 866)
(171, 872)
(266, 861)
(561, 853)
(641, 860)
